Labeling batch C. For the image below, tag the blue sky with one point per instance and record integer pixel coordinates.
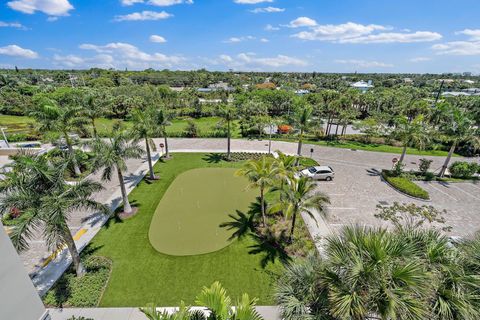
(259, 35)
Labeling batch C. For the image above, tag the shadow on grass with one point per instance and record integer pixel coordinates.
(213, 158)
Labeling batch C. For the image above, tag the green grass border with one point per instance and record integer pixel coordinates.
(405, 186)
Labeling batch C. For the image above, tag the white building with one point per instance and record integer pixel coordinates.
(362, 85)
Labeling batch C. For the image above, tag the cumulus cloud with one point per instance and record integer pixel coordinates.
(157, 39)
(469, 47)
(158, 3)
(365, 63)
(16, 51)
(267, 10)
(74, 61)
(251, 1)
(144, 15)
(251, 61)
(265, 40)
(125, 54)
(302, 22)
(50, 7)
(351, 32)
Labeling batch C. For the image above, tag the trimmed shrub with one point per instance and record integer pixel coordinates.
(405, 185)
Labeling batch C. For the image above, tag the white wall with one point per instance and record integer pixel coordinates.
(18, 298)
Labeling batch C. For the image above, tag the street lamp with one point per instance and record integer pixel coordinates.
(5, 137)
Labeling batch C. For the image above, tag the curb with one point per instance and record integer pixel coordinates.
(401, 192)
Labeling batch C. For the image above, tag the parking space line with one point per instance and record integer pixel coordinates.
(336, 194)
(439, 190)
(341, 208)
(473, 185)
(468, 193)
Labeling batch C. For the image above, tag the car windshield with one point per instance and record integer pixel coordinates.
(312, 170)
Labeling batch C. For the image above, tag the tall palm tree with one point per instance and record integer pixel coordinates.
(64, 120)
(228, 114)
(261, 174)
(286, 166)
(414, 133)
(111, 154)
(37, 189)
(162, 120)
(302, 121)
(457, 127)
(144, 128)
(299, 196)
(94, 107)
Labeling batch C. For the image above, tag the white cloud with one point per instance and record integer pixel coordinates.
(420, 59)
(157, 39)
(351, 32)
(144, 15)
(251, 1)
(458, 48)
(365, 63)
(251, 61)
(302, 22)
(125, 54)
(15, 51)
(391, 37)
(265, 40)
(239, 39)
(73, 61)
(269, 27)
(267, 10)
(473, 33)
(158, 3)
(50, 7)
(11, 25)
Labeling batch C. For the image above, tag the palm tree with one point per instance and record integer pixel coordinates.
(111, 155)
(162, 120)
(144, 127)
(302, 122)
(261, 174)
(227, 113)
(299, 196)
(94, 107)
(37, 189)
(457, 127)
(64, 120)
(413, 133)
(286, 166)
(218, 304)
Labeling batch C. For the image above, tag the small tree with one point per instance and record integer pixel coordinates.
(144, 128)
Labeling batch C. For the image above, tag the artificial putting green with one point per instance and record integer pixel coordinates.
(186, 221)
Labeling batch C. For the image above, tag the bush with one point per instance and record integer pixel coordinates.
(70, 291)
(424, 166)
(405, 185)
(192, 130)
(464, 170)
(243, 156)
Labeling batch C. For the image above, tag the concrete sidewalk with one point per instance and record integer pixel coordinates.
(267, 312)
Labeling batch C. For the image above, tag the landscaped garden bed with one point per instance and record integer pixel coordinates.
(82, 292)
(405, 185)
(141, 274)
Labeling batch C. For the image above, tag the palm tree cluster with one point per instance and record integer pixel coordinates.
(272, 220)
(35, 187)
(369, 273)
(216, 305)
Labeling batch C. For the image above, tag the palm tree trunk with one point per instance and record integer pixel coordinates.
(344, 130)
(167, 153)
(404, 152)
(447, 160)
(72, 154)
(95, 134)
(127, 208)
(327, 129)
(72, 248)
(262, 204)
(336, 129)
(292, 229)
(300, 138)
(149, 158)
(228, 140)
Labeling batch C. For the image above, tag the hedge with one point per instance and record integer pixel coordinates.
(405, 185)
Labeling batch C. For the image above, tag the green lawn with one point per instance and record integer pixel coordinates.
(141, 275)
(16, 124)
(187, 220)
(374, 147)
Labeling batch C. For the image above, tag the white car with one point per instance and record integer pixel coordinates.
(319, 173)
